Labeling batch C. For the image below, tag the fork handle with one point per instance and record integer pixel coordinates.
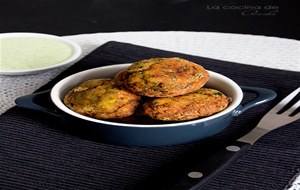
(208, 169)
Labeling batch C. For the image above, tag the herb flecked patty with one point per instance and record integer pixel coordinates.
(200, 103)
(165, 77)
(102, 99)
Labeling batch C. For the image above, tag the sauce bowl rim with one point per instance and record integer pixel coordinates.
(77, 51)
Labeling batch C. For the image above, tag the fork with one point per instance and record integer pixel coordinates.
(220, 161)
(273, 119)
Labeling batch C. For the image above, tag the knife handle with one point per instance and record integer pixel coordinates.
(201, 174)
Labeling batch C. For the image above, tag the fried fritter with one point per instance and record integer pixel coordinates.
(165, 77)
(102, 99)
(121, 77)
(200, 103)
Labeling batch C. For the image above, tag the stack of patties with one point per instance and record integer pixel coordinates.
(167, 89)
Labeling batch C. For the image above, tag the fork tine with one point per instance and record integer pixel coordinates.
(297, 115)
(286, 100)
(292, 109)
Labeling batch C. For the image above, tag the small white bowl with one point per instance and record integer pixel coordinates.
(76, 52)
(216, 81)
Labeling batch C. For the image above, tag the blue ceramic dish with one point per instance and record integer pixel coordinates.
(146, 135)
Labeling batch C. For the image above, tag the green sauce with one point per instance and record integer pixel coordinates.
(22, 53)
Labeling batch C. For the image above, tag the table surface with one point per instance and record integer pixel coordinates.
(232, 31)
(263, 51)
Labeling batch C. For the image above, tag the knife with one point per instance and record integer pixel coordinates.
(204, 172)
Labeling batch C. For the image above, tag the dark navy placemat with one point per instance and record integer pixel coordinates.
(37, 152)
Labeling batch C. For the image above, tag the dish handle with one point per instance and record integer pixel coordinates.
(263, 95)
(31, 102)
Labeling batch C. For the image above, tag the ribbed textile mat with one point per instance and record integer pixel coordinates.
(36, 152)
